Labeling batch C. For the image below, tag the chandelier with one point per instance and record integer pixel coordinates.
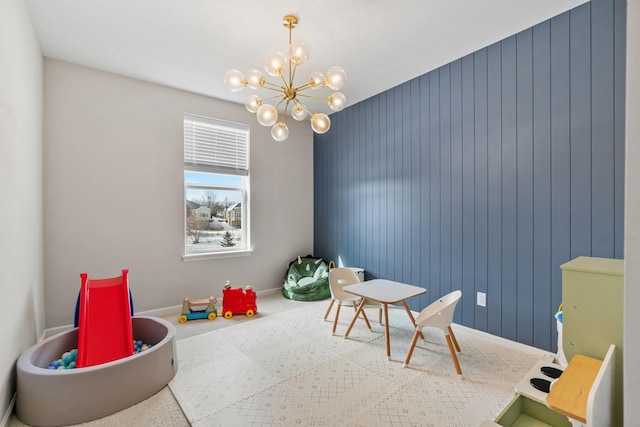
(284, 67)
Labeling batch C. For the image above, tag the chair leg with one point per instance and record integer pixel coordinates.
(329, 309)
(453, 355)
(364, 315)
(414, 340)
(453, 337)
(335, 321)
(380, 315)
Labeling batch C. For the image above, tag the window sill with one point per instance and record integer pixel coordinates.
(217, 255)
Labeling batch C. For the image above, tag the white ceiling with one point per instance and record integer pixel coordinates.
(190, 44)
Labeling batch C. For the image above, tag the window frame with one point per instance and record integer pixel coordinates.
(190, 166)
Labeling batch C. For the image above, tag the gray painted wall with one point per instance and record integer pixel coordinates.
(113, 180)
(21, 256)
(486, 174)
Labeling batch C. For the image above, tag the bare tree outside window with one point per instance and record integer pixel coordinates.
(210, 200)
(196, 226)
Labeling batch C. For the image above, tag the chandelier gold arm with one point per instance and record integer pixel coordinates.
(279, 89)
(304, 107)
(273, 86)
(303, 87)
(311, 96)
(292, 75)
(272, 97)
(279, 102)
(286, 85)
(284, 113)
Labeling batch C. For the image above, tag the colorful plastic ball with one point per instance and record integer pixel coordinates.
(66, 361)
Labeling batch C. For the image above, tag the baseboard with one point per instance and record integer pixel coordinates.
(277, 290)
(7, 415)
(166, 311)
(49, 332)
(158, 312)
(544, 354)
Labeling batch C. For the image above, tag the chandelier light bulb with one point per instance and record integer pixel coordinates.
(253, 103)
(255, 79)
(336, 78)
(280, 131)
(337, 101)
(316, 80)
(320, 123)
(234, 80)
(299, 52)
(267, 115)
(298, 113)
(275, 64)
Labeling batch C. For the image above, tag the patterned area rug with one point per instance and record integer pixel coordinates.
(288, 369)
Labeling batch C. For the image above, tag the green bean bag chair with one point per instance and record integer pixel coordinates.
(307, 279)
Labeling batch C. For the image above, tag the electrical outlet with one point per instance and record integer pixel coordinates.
(481, 299)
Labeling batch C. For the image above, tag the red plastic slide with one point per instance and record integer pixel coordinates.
(105, 332)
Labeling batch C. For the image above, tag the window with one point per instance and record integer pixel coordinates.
(216, 188)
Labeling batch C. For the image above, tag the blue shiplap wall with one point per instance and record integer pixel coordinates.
(486, 174)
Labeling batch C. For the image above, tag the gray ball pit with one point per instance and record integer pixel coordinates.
(71, 396)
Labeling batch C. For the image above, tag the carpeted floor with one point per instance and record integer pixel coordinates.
(283, 367)
(287, 369)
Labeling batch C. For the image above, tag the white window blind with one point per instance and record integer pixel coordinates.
(216, 146)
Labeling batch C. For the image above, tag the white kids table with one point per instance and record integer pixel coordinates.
(384, 292)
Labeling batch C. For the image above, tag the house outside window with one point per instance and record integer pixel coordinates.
(233, 215)
(216, 188)
(203, 212)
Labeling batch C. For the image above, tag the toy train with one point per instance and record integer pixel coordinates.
(238, 301)
(235, 300)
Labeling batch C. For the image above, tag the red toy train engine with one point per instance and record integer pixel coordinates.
(238, 301)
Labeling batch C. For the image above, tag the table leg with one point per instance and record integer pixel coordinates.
(386, 329)
(358, 311)
(413, 320)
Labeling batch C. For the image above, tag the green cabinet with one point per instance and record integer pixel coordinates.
(592, 304)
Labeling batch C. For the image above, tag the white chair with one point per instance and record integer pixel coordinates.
(338, 279)
(439, 314)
